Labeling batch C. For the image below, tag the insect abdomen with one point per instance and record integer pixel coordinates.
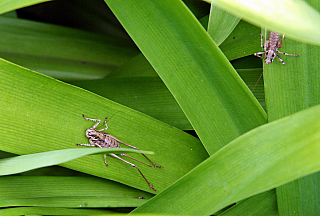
(273, 40)
(110, 142)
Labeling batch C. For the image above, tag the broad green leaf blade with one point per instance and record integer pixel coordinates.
(73, 192)
(221, 24)
(216, 101)
(296, 18)
(9, 5)
(264, 158)
(13, 165)
(39, 46)
(145, 94)
(39, 113)
(150, 96)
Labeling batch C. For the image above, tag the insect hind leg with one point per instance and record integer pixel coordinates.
(131, 146)
(150, 185)
(135, 159)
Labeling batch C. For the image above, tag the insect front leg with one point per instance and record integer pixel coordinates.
(261, 40)
(105, 122)
(259, 54)
(93, 143)
(89, 119)
(85, 144)
(266, 42)
(116, 156)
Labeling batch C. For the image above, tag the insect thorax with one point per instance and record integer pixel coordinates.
(102, 140)
(92, 133)
(270, 55)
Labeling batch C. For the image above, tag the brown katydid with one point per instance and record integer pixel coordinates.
(271, 46)
(104, 140)
(270, 49)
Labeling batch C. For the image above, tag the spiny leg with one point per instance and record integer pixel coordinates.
(154, 164)
(116, 156)
(123, 154)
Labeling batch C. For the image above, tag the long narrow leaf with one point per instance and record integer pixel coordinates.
(38, 46)
(217, 102)
(283, 98)
(13, 165)
(264, 158)
(67, 191)
(9, 5)
(52, 211)
(221, 24)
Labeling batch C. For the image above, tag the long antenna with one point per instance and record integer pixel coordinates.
(257, 82)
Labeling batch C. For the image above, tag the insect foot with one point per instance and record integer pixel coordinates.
(271, 46)
(104, 140)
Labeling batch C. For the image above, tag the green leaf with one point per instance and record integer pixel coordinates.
(67, 191)
(221, 24)
(216, 101)
(39, 114)
(260, 204)
(52, 211)
(88, 56)
(9, 5)
(243, 41)
(264, 158)
(289, 89)
(145, 94)
(13, 165)
(296, 18)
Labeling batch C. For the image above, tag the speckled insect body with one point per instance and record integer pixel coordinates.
(271, 47)
(104, 140)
